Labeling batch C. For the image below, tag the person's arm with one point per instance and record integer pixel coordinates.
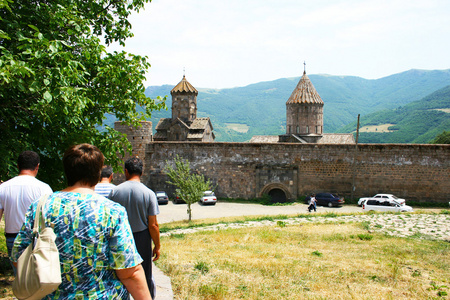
(134, 280)
(153, 227)
(1, 214)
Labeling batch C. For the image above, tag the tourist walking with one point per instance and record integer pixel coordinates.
(17, 194)
(97, 253)
(312, 203)
(105, 186)
(142, 207)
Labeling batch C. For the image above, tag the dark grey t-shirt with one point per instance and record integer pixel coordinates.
(139, 201)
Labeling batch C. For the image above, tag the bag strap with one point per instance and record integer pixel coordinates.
(39, 215)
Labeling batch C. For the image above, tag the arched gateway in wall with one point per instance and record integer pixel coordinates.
(278, 192)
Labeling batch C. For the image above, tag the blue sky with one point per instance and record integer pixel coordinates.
(223, 44)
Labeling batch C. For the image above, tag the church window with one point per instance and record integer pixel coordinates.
(298, 129)
(307, 129)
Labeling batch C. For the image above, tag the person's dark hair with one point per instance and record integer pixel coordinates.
(28, 160)
(106, 172)
(134, 166)
(83, 163)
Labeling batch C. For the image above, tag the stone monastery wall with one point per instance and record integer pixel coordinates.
(248, 170)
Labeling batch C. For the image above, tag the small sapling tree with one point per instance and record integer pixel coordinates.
(189, 186)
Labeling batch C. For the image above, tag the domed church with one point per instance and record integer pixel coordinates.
(304, 119)
(184, 124)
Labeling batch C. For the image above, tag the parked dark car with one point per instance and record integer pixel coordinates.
(178, 200)
(327, 199)
(162, 197)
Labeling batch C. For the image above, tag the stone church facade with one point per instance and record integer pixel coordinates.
(184, 124)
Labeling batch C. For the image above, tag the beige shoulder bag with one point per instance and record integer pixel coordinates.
(38, 267)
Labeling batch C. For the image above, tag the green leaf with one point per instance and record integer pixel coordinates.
(33, 27)
(48, 97)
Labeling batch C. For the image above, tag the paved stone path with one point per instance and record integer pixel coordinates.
(433, 226)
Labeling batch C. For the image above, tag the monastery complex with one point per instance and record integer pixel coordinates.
(302, 161)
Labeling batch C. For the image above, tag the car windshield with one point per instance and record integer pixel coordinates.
(209, 193)
(393, 197)
(161, 194)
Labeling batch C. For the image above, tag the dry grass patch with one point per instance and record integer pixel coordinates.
(242, 128)
(328, 261)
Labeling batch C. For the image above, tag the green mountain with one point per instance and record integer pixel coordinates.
(239, 113)
(417, 122)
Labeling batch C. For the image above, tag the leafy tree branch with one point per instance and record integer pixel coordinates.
(58, 82)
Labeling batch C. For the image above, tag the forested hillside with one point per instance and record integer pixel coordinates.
(239, 113)
(417, 122)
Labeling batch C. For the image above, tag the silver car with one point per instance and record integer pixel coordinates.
(208, 198)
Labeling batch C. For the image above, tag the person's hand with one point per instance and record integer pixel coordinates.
(155, 254)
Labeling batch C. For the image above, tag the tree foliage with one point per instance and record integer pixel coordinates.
(58, 82)
(189, 185)
(443, 138)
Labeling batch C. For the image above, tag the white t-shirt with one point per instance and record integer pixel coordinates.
(16, 195)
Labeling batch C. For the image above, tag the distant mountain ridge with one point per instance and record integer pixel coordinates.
(417, 122)
(261, 107)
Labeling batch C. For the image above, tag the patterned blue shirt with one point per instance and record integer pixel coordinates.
(93, 237)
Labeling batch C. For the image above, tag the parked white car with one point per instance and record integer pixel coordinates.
(381, 205)
(384, 197)
(208, 198)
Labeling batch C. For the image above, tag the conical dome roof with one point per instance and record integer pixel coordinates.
(184, 87)
(304, 92)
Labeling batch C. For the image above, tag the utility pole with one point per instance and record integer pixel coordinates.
(354, 160)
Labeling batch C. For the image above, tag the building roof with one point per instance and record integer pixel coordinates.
(264, 139)
(195, 132)
(337, 138)
(163, 124)
(160, 135)
(184, 87)
(304, 92)
(326, 138)
(200, 123)
(195, 135)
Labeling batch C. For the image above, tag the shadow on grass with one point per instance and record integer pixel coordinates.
(6, 277)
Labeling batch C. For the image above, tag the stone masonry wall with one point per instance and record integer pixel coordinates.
(139, 138)
(247, 170)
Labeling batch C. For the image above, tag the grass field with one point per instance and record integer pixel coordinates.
(308, 261)
(313, 261)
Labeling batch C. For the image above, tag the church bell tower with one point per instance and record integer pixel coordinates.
(184, 102)
(304, 113)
